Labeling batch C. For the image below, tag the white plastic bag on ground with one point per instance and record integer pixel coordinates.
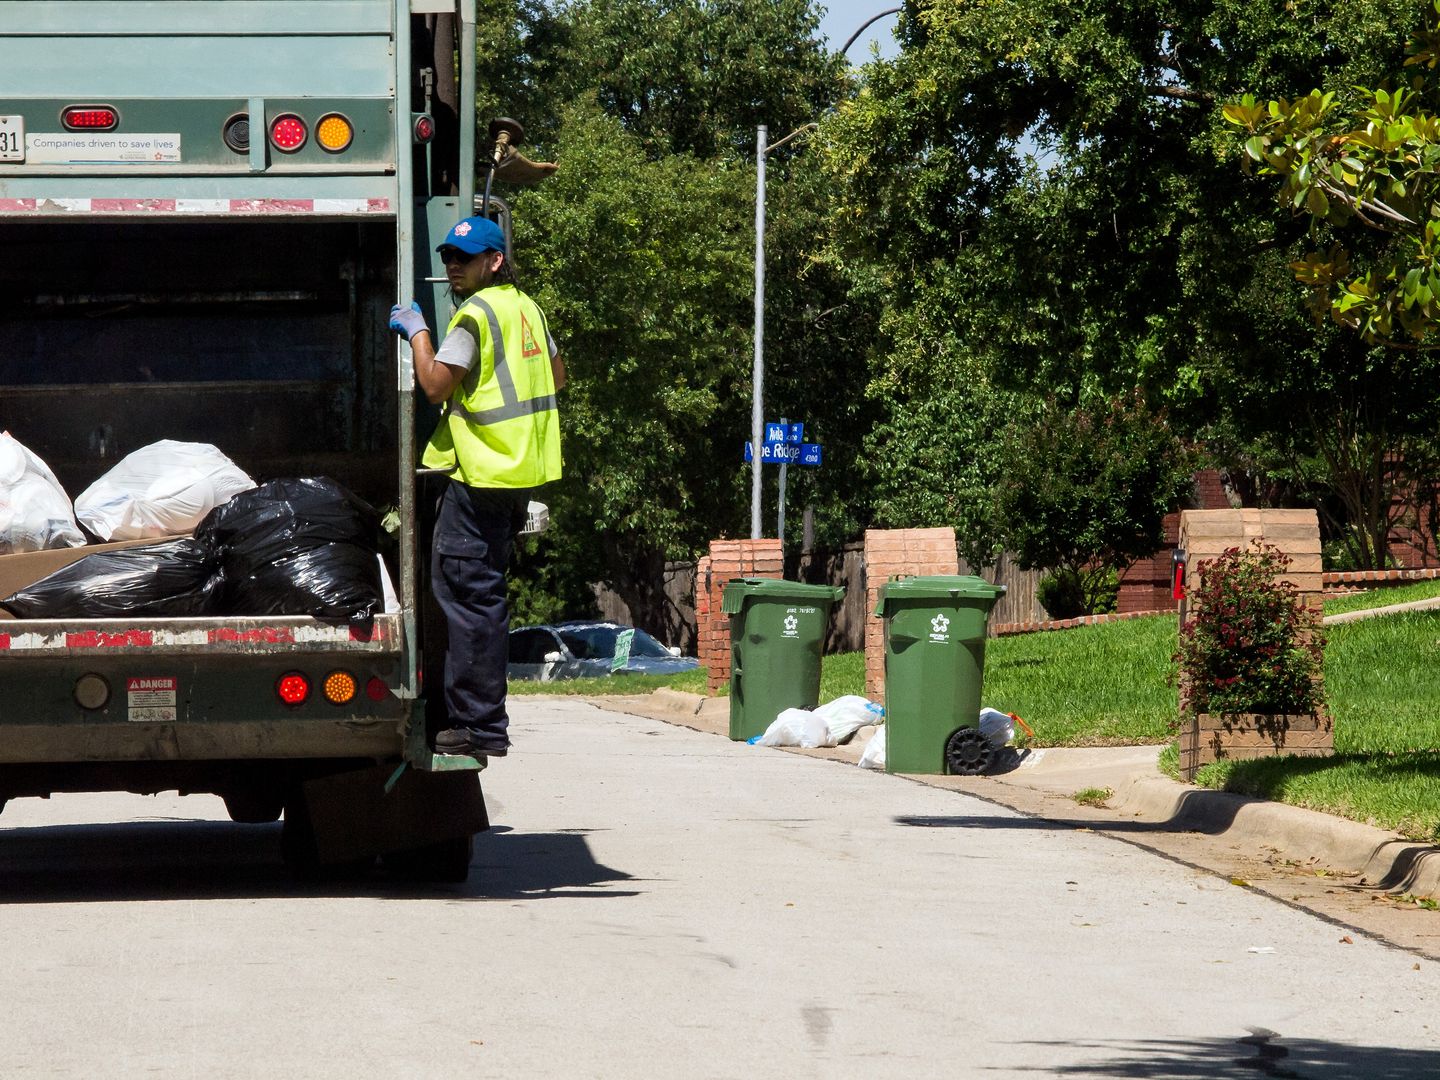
(996, 727)
(874, 755)
(160, 490)
(35, 512)
(846, 715)
(796, 727)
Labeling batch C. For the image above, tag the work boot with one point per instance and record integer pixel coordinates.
(467, 741)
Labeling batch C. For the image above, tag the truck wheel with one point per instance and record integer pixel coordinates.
(254, 807)
(442, 861)
(302, 857)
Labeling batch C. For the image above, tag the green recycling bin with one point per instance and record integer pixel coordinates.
(777, 633)
(934, 666)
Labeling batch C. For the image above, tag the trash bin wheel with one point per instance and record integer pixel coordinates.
(967, 753)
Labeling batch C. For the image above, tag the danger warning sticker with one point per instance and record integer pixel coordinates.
(151, 700)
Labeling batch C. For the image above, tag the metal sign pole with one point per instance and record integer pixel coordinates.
(780, 518)
(757, 405)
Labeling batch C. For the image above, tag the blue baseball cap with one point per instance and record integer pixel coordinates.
(474, 235)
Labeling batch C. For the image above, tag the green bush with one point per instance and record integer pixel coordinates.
(1249, 644)
(1063, 593)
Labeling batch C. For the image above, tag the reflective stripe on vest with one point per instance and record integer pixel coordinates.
(513, 407)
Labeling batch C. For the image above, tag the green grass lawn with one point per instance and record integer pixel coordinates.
(1391, 594)
(691, 682)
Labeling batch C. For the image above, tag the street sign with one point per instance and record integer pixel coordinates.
(784, 433)
(785, 453)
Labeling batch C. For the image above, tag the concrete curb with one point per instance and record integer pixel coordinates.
(1383, 859)
(1393, 609)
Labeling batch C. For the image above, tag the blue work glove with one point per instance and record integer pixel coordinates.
(407, 321)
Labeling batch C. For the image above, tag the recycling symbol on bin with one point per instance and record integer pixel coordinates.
(791, 622)
(939, 628)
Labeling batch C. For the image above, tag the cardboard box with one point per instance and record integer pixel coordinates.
(20, 571)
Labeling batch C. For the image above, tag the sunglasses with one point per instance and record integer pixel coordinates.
(455, 255)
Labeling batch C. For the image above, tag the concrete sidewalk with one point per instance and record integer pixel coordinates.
(1144, 804)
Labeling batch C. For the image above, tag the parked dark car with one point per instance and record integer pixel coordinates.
(580, 650)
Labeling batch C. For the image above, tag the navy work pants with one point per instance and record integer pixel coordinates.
(470, 552)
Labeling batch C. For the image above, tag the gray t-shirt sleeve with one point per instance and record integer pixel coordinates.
(458, 350)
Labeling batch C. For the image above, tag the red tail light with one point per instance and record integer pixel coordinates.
(288, 132)
(89, 118)
(424, 129)
(376, 690)
(293, 688)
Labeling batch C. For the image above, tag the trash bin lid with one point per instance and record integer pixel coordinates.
(939, 587)
(740, 590)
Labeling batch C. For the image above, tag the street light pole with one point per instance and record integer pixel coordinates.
(757, 403)
(757, 399)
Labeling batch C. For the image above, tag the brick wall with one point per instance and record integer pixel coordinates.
(1145, 586)
(889, 552)
(728, 559)
(1205, 534)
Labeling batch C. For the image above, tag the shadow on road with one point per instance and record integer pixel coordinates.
(1195, 814)
(185, 859)
(1260, 1054)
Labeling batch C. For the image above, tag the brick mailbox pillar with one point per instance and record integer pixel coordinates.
(728, 559)
(1205, 535)
(889, 552)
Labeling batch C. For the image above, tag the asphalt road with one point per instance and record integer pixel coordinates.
(658, 902)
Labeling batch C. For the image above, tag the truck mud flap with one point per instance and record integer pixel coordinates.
(352, 815)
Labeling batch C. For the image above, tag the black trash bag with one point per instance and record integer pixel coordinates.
(297, 547)
(170, 580)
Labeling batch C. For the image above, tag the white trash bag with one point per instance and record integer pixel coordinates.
(796, 727)
(162, 489)
(874, 755)
(846, 715)
(35, 512)
(997, 728)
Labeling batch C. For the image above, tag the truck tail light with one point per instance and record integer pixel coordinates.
(423, 128)
(89, 118)
(376, 690)
(236, 133)
(334, 132)
(293, 688)
(288, 132)
(339, 687)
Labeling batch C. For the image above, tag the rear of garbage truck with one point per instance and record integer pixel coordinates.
(206, 211)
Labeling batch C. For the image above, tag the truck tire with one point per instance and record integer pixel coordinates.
(302, 857)
(443, 861)
(254, 807)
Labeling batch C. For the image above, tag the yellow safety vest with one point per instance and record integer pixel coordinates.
(500, 428)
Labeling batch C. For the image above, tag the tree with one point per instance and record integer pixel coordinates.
(1371, 157)
(1041, 189)
(698, 76)
(1084, 491)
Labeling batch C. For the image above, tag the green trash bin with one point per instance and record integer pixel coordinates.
(777, 633)
(934, 666)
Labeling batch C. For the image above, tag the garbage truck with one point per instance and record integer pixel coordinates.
(207, 209)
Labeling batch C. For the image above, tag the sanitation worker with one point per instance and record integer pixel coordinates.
(499, 438)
